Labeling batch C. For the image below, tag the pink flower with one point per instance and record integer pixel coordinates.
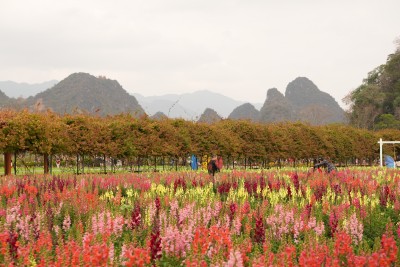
(206, 214)
(152, 211)
(235, 259)
(312, 223)
(185, 213)
(118, 225)
(354, 228)
(297, 226)
(174, 206)
(23, 227)
(236, 225)
(66, 222)
(320, 228)
(111, 253)
(217, 209)
(281, 221)
(175, 242)
(13, 214)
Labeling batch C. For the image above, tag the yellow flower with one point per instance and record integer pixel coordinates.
(108, 195)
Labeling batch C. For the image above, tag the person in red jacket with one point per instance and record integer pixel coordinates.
(214, 165)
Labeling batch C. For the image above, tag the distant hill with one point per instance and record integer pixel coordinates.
(4, 100)
(82, 92)
(168, 105)
(159, 116)
(190, 105)
(303, 101)
(209, 116)
(245, 111)
(276, 108)
(312, 105)
(24, 90)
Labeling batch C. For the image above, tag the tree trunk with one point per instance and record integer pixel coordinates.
(46, 163)
(51, 163)
(15, 163)
(77, 163)
(7, 164)
(104, 163)
(83, 164)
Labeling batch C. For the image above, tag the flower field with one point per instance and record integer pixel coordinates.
(269, 218)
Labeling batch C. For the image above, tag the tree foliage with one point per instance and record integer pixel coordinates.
(375, 104)
(125, 136)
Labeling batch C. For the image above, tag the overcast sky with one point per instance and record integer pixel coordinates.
(239, 48)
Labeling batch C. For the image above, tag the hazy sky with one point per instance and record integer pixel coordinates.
(239, 48)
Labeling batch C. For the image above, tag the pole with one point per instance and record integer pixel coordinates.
(381, 142)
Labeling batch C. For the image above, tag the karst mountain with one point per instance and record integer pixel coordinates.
(85, 93)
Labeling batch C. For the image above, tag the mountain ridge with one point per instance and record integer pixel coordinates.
(82, 92)
(303, 101)
(16, 90)
(189, 105)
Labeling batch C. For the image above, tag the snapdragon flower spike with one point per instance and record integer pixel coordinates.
(259, 232)
(179, 182)
(136, 217)
(307, 210)
(232, 210)
(319, 192)
(383, 197)
(224, 188)
(333, 222)
(295, 180)
(155, 243)
(263, 184)
(158, 204)
(155, 237)
(289, 192)
(13, 244)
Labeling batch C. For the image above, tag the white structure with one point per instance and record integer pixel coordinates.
(381, 142)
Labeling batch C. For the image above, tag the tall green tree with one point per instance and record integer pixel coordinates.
(377, 97)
